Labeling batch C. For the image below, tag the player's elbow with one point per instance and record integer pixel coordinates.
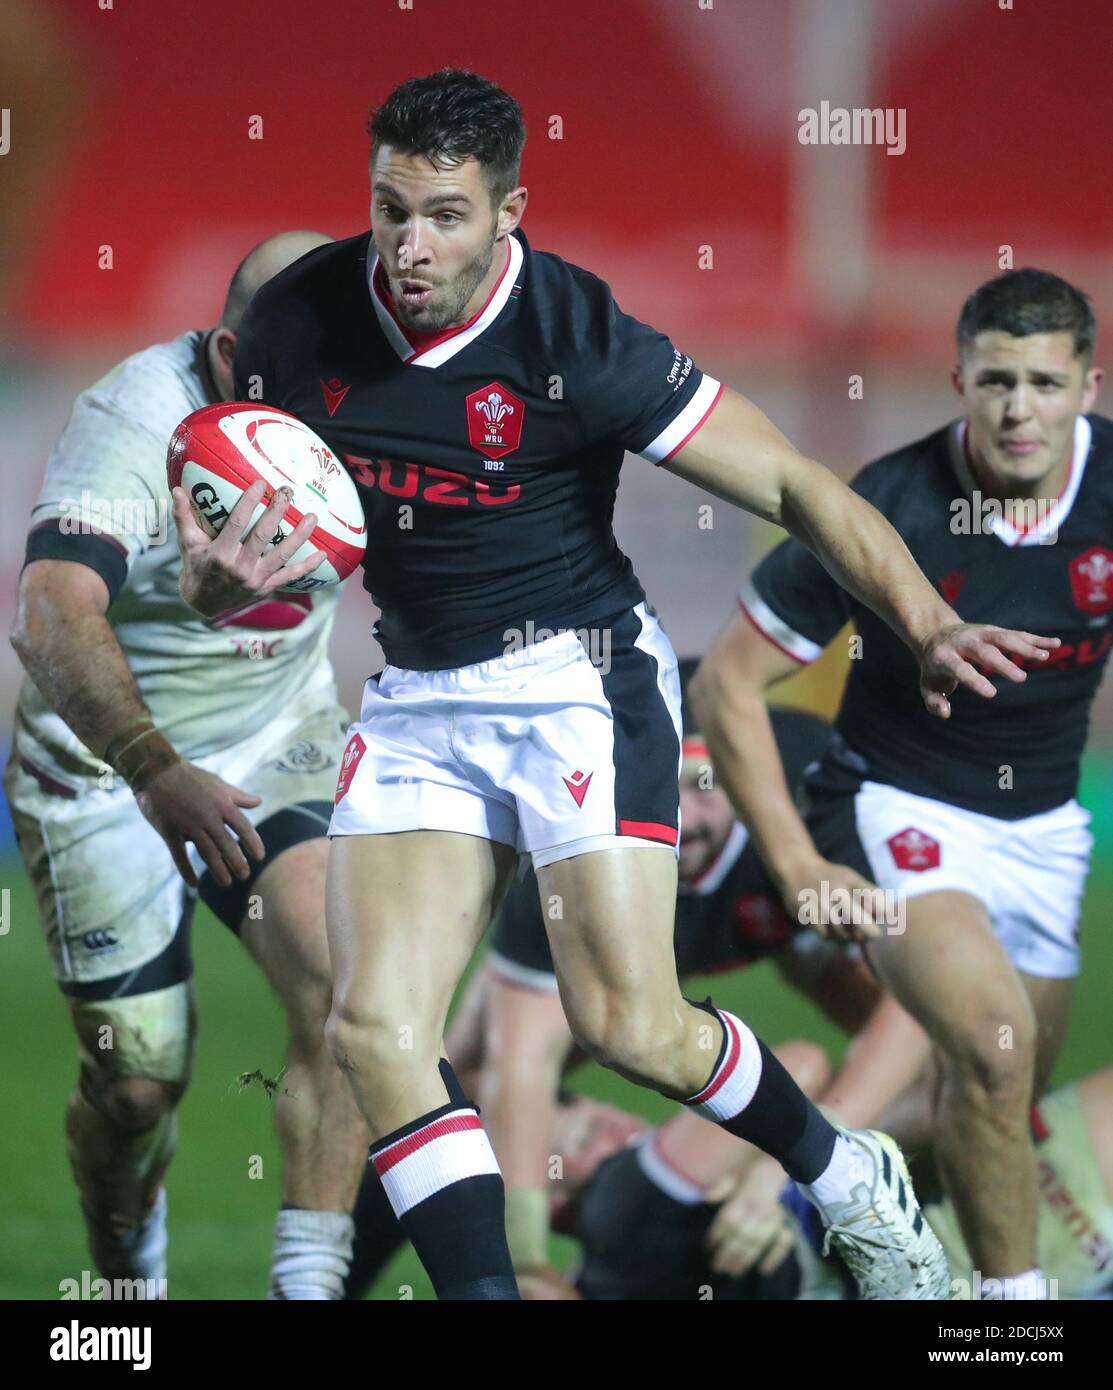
(23, 635)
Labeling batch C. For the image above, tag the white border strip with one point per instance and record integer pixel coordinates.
(525, 976)
(803, 649)
(435, 356)
(663, 1175)
(686, 423)
(1057, 514)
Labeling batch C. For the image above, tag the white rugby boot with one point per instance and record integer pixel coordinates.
(880, 1233)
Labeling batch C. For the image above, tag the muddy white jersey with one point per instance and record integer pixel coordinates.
(105, 503)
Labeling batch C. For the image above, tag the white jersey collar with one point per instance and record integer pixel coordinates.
(453, 340)
(1051, 518)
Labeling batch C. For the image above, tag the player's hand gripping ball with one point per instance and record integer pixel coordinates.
(220, 450)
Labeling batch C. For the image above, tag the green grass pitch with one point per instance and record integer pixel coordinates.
(221, 1218)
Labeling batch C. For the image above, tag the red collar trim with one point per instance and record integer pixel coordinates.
(421, 340)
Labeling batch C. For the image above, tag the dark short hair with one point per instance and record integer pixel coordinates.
(1027, 301)
(451, 115)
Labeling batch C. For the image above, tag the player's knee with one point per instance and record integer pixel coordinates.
(363, 1038)
(137, 1103)
(630, 1038)
(995, 1053)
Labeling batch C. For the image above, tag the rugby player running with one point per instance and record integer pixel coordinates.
(483, 396)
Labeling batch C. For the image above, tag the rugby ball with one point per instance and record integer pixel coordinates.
(216, 454)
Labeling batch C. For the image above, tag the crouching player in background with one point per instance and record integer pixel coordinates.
(143, 728)
(655, 1223)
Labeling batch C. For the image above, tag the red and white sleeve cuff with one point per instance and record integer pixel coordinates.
(774, 629)
(680, 429)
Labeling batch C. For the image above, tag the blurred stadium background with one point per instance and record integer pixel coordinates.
(128, 127)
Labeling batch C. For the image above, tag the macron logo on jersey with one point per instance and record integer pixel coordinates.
(578, 784)
(334, 392)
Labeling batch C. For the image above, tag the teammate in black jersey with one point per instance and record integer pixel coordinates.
(483, 395)
(1009, 511)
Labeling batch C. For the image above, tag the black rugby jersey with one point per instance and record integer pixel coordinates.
(1012, 756)
(729, 916)
(487, 457)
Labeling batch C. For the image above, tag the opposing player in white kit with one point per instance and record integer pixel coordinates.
(483, 395)
(143, 728)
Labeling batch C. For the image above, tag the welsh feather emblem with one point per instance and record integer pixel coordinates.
(1091, 580)
(494, 420)
(913, 849)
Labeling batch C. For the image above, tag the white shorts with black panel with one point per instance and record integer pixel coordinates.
(563, 746)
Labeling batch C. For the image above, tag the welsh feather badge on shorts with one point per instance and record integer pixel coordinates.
(348, 764)
(914, 850)
(494, 420)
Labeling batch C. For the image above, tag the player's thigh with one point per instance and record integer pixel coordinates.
(950, 971)
(404, 913)
(1051, 1002)
(283, 927)
(610, 916)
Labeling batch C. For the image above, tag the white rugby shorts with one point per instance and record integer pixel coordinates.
(1029, 873)
(110, 899)
(560, 747)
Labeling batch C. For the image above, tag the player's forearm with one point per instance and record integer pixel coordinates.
(519, 1112)
(885, 1059)
(740, 741)
(862, 551)
(80, 670)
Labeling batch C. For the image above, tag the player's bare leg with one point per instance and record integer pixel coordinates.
(612, 944)
(1051, 1003)
(120, 1122)
(405, 912)
(984, 1028)
(466, 1043)
(321, 1134)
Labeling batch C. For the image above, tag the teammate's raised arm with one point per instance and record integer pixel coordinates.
(738, 454)
(727, 698)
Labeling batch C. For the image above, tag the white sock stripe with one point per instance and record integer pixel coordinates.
(663, 1175)
(735, 1080)
(384, 1159)
(437, 1164)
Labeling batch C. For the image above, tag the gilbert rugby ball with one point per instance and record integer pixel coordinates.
(220, 450)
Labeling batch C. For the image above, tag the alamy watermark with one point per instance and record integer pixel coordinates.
(92, 1287)
(836, 906)
(978, 515)
(995, 1290)
(88, 515)
(596, 642)
(858, 125)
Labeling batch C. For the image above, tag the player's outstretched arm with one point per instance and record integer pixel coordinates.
(68, 648)
(740, 455)
(527, 1041)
